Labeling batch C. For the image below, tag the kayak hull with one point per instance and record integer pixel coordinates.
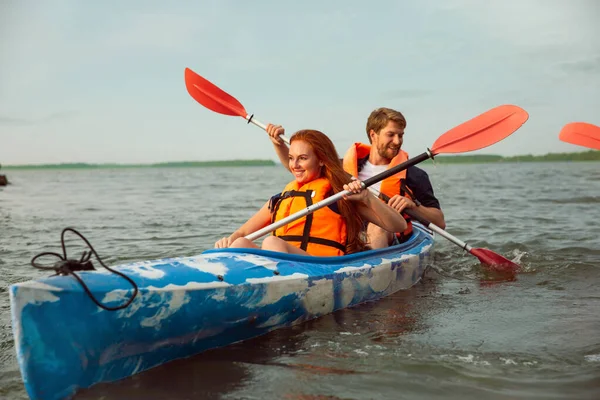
(187, 305)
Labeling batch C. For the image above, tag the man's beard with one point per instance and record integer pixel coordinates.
(388, 153)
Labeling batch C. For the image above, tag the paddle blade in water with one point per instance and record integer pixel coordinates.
(484, 130)
(211, 97)
(581, 134)
(495, 261)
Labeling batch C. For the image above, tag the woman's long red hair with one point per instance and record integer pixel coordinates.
(332, 170)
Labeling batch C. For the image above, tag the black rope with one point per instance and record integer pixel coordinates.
(68, 267)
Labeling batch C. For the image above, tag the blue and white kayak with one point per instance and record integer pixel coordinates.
(187, 305)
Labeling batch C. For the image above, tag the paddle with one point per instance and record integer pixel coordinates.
(215, 99)
(488, 257)
(477, 133)
(581, 134)
(496, 124)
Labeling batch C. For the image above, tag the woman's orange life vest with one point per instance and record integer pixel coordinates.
(321, 233)
(390, 186)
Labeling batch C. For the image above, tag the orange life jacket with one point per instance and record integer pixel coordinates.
(321, 233)
(390, 186)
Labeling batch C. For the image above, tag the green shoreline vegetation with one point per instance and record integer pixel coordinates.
(591, 155)
(178, 164)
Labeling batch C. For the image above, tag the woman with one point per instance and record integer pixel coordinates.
(329, 231)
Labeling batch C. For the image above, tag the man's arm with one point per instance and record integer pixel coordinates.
(429, 207)
(432, 214)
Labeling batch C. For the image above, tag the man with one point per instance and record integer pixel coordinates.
(409, 189)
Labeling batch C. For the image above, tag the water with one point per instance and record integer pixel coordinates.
(454, 336)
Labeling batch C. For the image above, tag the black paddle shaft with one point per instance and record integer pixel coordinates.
(400, 167)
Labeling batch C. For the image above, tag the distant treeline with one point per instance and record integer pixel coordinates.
(591, 155)
(179, 164)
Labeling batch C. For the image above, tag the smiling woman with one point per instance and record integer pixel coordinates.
(330, 231)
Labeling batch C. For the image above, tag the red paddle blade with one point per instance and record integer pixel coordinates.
(211, 97)
(581, 134)
(484, 130)
(495, 261)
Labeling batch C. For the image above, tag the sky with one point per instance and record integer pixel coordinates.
(103, 82)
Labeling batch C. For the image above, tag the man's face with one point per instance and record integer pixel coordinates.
(388, 141)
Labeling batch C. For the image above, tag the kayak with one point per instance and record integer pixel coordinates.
(185, 305)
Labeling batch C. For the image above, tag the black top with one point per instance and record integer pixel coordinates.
(418, 181)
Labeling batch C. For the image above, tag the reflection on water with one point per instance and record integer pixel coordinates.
(333, 345)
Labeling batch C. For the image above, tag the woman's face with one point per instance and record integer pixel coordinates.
(303, 162)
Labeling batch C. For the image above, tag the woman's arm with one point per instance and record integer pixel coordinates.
(379, 213)
(258, 221)
(374, 210)
(275, 131)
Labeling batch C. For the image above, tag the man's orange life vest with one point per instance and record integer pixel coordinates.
(390, 186)
(321, 233)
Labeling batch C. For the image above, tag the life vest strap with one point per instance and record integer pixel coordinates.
(315, 240)
(307, 195)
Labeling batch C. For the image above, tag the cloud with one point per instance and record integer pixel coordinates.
(307, 64)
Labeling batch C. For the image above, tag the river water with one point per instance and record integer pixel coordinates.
(456, 335)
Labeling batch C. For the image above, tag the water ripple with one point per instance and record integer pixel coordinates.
(461, 333)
